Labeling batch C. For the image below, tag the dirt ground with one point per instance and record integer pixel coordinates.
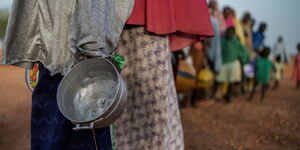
(271, 125)
(15, 100)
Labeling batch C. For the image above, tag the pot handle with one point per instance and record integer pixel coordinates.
(83, 127)
(86, 127)
(92, 53)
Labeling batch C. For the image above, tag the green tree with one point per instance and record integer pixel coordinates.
(3, 23)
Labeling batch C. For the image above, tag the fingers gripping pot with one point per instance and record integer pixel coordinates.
(93, 94)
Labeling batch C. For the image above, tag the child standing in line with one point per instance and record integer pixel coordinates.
(278, 71)
(231, 68)
(296, 71)
(263, 68)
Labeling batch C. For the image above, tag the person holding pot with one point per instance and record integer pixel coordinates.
(52, 33)
(55, 32)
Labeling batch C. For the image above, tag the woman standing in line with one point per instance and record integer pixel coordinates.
(49, 32)
(151, 120)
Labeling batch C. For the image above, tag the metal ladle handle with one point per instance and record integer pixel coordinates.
(83, 127)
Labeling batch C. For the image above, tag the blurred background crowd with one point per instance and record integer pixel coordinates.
(235, 61)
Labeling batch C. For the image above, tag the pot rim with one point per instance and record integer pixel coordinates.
(68, 77)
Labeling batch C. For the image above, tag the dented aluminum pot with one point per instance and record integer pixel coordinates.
(93, 94)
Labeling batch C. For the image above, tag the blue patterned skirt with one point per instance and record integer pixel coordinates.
(50, 130)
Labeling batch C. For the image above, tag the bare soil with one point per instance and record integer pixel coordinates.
(270, 125)
(273, 124)
(15, 103)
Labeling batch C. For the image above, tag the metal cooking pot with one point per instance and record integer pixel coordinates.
(93, 94)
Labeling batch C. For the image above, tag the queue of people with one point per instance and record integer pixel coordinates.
(237, 58)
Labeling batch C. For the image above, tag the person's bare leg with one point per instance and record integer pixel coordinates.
(276, 85)
(263, 92)
(194, 97)
(252, 92)
(228, 96)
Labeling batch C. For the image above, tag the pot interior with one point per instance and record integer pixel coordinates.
(88, 90)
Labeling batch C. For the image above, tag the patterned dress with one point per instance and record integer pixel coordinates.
(151, 120)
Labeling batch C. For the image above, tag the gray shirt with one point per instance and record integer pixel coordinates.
(53, 31)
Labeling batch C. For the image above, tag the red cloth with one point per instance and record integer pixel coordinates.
(229, 22)
(296, 70)
(186, 21)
